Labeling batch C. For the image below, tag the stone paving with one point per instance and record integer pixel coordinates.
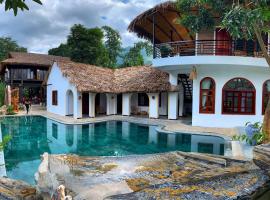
(182, 125)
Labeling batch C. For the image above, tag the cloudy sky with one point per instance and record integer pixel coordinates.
(46, 26)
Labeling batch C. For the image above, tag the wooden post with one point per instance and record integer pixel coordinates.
(154, 35)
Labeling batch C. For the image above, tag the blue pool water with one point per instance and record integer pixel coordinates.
(34, 135)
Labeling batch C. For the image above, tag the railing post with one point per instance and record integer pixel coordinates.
(196, 44)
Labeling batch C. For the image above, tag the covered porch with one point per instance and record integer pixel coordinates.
(154, 105)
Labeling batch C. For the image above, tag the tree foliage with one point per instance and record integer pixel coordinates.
(17, 4)
(63, 50)
(99, 46)
(134, 56)
(86, 44)
(112, 45)
(8, 45)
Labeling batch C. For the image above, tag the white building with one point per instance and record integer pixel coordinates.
(80, 90)
(231, 82)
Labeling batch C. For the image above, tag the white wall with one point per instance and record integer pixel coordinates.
(222, 75)
(58, 82)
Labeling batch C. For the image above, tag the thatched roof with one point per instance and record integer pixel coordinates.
(167, 30)
(89, 78)
(32, 59)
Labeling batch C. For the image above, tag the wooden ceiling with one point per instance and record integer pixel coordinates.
(167, 29)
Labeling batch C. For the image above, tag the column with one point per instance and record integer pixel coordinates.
(181, 101)
(153, 105)
(77, 105)
(92, 105)
(126, 104)
(111, 104)
(173, 98)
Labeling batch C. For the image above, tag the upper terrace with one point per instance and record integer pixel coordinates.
(159, 25)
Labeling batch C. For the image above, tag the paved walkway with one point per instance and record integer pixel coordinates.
(182, 125)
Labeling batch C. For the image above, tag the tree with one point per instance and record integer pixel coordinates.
(7, 45)
(112, 45)
(86, 44)
(17, 4)
(101, 47)
(243, 19)
(134, 56)
(63, 50)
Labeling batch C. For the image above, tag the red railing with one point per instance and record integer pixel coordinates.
(209, 47)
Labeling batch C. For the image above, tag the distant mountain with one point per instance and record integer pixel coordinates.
(147, 59)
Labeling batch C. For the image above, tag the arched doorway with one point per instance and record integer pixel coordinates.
(101, 104)
(70, 103)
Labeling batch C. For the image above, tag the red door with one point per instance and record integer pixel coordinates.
(223, 42)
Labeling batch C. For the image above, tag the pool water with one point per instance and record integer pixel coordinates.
(34, 135)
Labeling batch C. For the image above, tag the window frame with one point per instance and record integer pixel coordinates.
(213, 90)
(239, 97)
(263, 96)
(55, 98)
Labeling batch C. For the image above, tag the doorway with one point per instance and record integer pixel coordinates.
(119, 104)
(85, 104)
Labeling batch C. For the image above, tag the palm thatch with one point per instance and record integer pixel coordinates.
(89, 78)
(167, 30)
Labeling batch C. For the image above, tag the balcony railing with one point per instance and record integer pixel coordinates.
(209, 47)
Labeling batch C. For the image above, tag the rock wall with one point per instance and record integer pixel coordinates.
(13, 190)
(261, 157)
(174, 175)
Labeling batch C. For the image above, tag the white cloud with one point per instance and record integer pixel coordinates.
(46, 26)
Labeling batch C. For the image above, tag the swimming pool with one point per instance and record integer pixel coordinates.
(34, 135)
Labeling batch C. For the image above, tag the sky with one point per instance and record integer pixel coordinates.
(45, 27)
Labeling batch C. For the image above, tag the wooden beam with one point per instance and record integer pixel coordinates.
(172, 27)
(165, 33)
(191, 37)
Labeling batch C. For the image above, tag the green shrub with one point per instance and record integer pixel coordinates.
(10, 110)
(2, 93)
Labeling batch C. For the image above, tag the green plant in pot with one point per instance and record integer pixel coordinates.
(165, 50)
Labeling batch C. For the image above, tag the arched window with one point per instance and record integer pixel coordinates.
(207, 96)
(266, 93)
(239, 97)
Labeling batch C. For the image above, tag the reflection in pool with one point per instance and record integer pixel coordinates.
(32, 136)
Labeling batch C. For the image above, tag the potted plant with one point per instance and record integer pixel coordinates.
(237, 149)
(165, 50)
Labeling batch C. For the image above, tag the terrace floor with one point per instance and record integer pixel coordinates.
(182, 125)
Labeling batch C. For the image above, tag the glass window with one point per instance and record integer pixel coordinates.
(239, 97)
(207, 96)
(54, 98)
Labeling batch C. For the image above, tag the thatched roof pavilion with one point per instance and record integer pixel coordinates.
(89, 78)
(159, 22)
(31, 59)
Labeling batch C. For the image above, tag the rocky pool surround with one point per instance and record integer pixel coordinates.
(174, 175)
(171, 175)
